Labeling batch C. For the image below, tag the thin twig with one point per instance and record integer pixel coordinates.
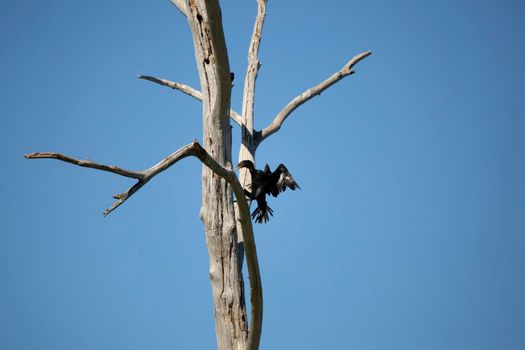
(308, 94)
(122, 197)
(188, 90)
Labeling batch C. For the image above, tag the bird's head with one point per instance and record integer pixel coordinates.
(246, 164)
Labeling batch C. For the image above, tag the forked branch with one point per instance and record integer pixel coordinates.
(188, 90)
(308, 94)
(142, 176)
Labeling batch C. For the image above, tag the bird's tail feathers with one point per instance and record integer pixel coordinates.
(262, 215)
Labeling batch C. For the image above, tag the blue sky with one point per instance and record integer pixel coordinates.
(408, 232)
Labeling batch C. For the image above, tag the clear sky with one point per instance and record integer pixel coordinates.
(409, 230)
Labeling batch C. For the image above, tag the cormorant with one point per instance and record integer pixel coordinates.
(266, 182)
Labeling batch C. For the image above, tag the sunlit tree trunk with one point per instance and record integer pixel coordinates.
(217, 212)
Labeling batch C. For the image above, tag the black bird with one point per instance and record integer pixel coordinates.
(266, 182)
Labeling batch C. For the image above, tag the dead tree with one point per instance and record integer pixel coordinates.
(227, 224)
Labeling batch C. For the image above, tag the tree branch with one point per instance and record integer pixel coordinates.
(308, 94)
(188, 90)
(139, 175)
(253, 67)
(181, 5)
(142, 176)
(196, 150)
(248, 146)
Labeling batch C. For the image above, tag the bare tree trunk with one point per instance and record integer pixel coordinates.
(217, 212)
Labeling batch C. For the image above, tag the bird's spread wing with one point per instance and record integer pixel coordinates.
(283, 179)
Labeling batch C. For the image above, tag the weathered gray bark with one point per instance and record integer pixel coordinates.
(217, 212)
